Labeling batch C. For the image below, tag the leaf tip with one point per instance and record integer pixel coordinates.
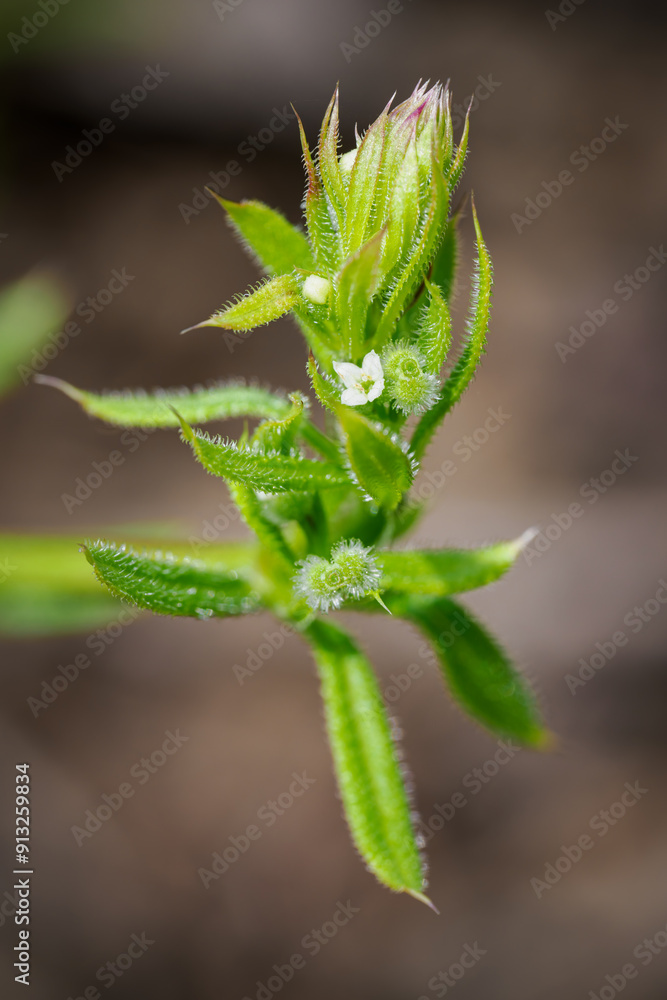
(61, 385)
(421, 898)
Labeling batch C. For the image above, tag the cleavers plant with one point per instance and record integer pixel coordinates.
(369, 285)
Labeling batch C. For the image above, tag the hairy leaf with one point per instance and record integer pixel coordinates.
(466, 366)
(443, 271)
(196, 406)
(167, 585)
(265, 471)
(447, 571)
(278, 246)
(435, 336)
(260, 306)
(479, 674)
(366, 763)
(357, 282)
(363, 182)
(321, 230)
(382, 468)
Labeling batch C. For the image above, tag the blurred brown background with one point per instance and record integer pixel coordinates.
(550, 82)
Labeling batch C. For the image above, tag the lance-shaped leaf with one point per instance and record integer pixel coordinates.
(466, 366)
(448, 571)
(363, 183)
(167, 585)
(443, 271)
(279, 435)
(435, 336)
(356, 284)
(321, 231)
(328, 396)
(328, 161)
(365, 760)
(383, 470)
(458, 163)
(141, 409)
(403, 208)
(262, 305)
(478, 673)
(265, 471)
(421, 255)
(275, 243)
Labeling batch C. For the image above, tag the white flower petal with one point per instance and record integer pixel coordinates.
(376, 389)
(348, 373)
(354, 397)
(372, 366)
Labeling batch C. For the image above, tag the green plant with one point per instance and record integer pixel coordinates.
(369, 286)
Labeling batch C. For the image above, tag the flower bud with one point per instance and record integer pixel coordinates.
(412, 389)
(316, 289)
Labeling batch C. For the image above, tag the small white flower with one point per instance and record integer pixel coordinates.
(362, 385)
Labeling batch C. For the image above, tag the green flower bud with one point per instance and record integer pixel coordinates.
(352, 572)
(411, 387)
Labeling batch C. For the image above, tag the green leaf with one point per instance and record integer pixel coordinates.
(328, 161)
(321, 231)
(262, 305)
(140, 409)
(365, 760)
(46, 587)
(458, 164)
(479, 674)
(166, 585)
(268, 472)
(403, 208)
(420, 257)
(435, 336)
(356, 284)
(443, 271)
(325, 392)
(363, 183)
(30, 310)
(279, 435)
(448, 571)
(278, 246)
(383, 470)
(466, 366)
